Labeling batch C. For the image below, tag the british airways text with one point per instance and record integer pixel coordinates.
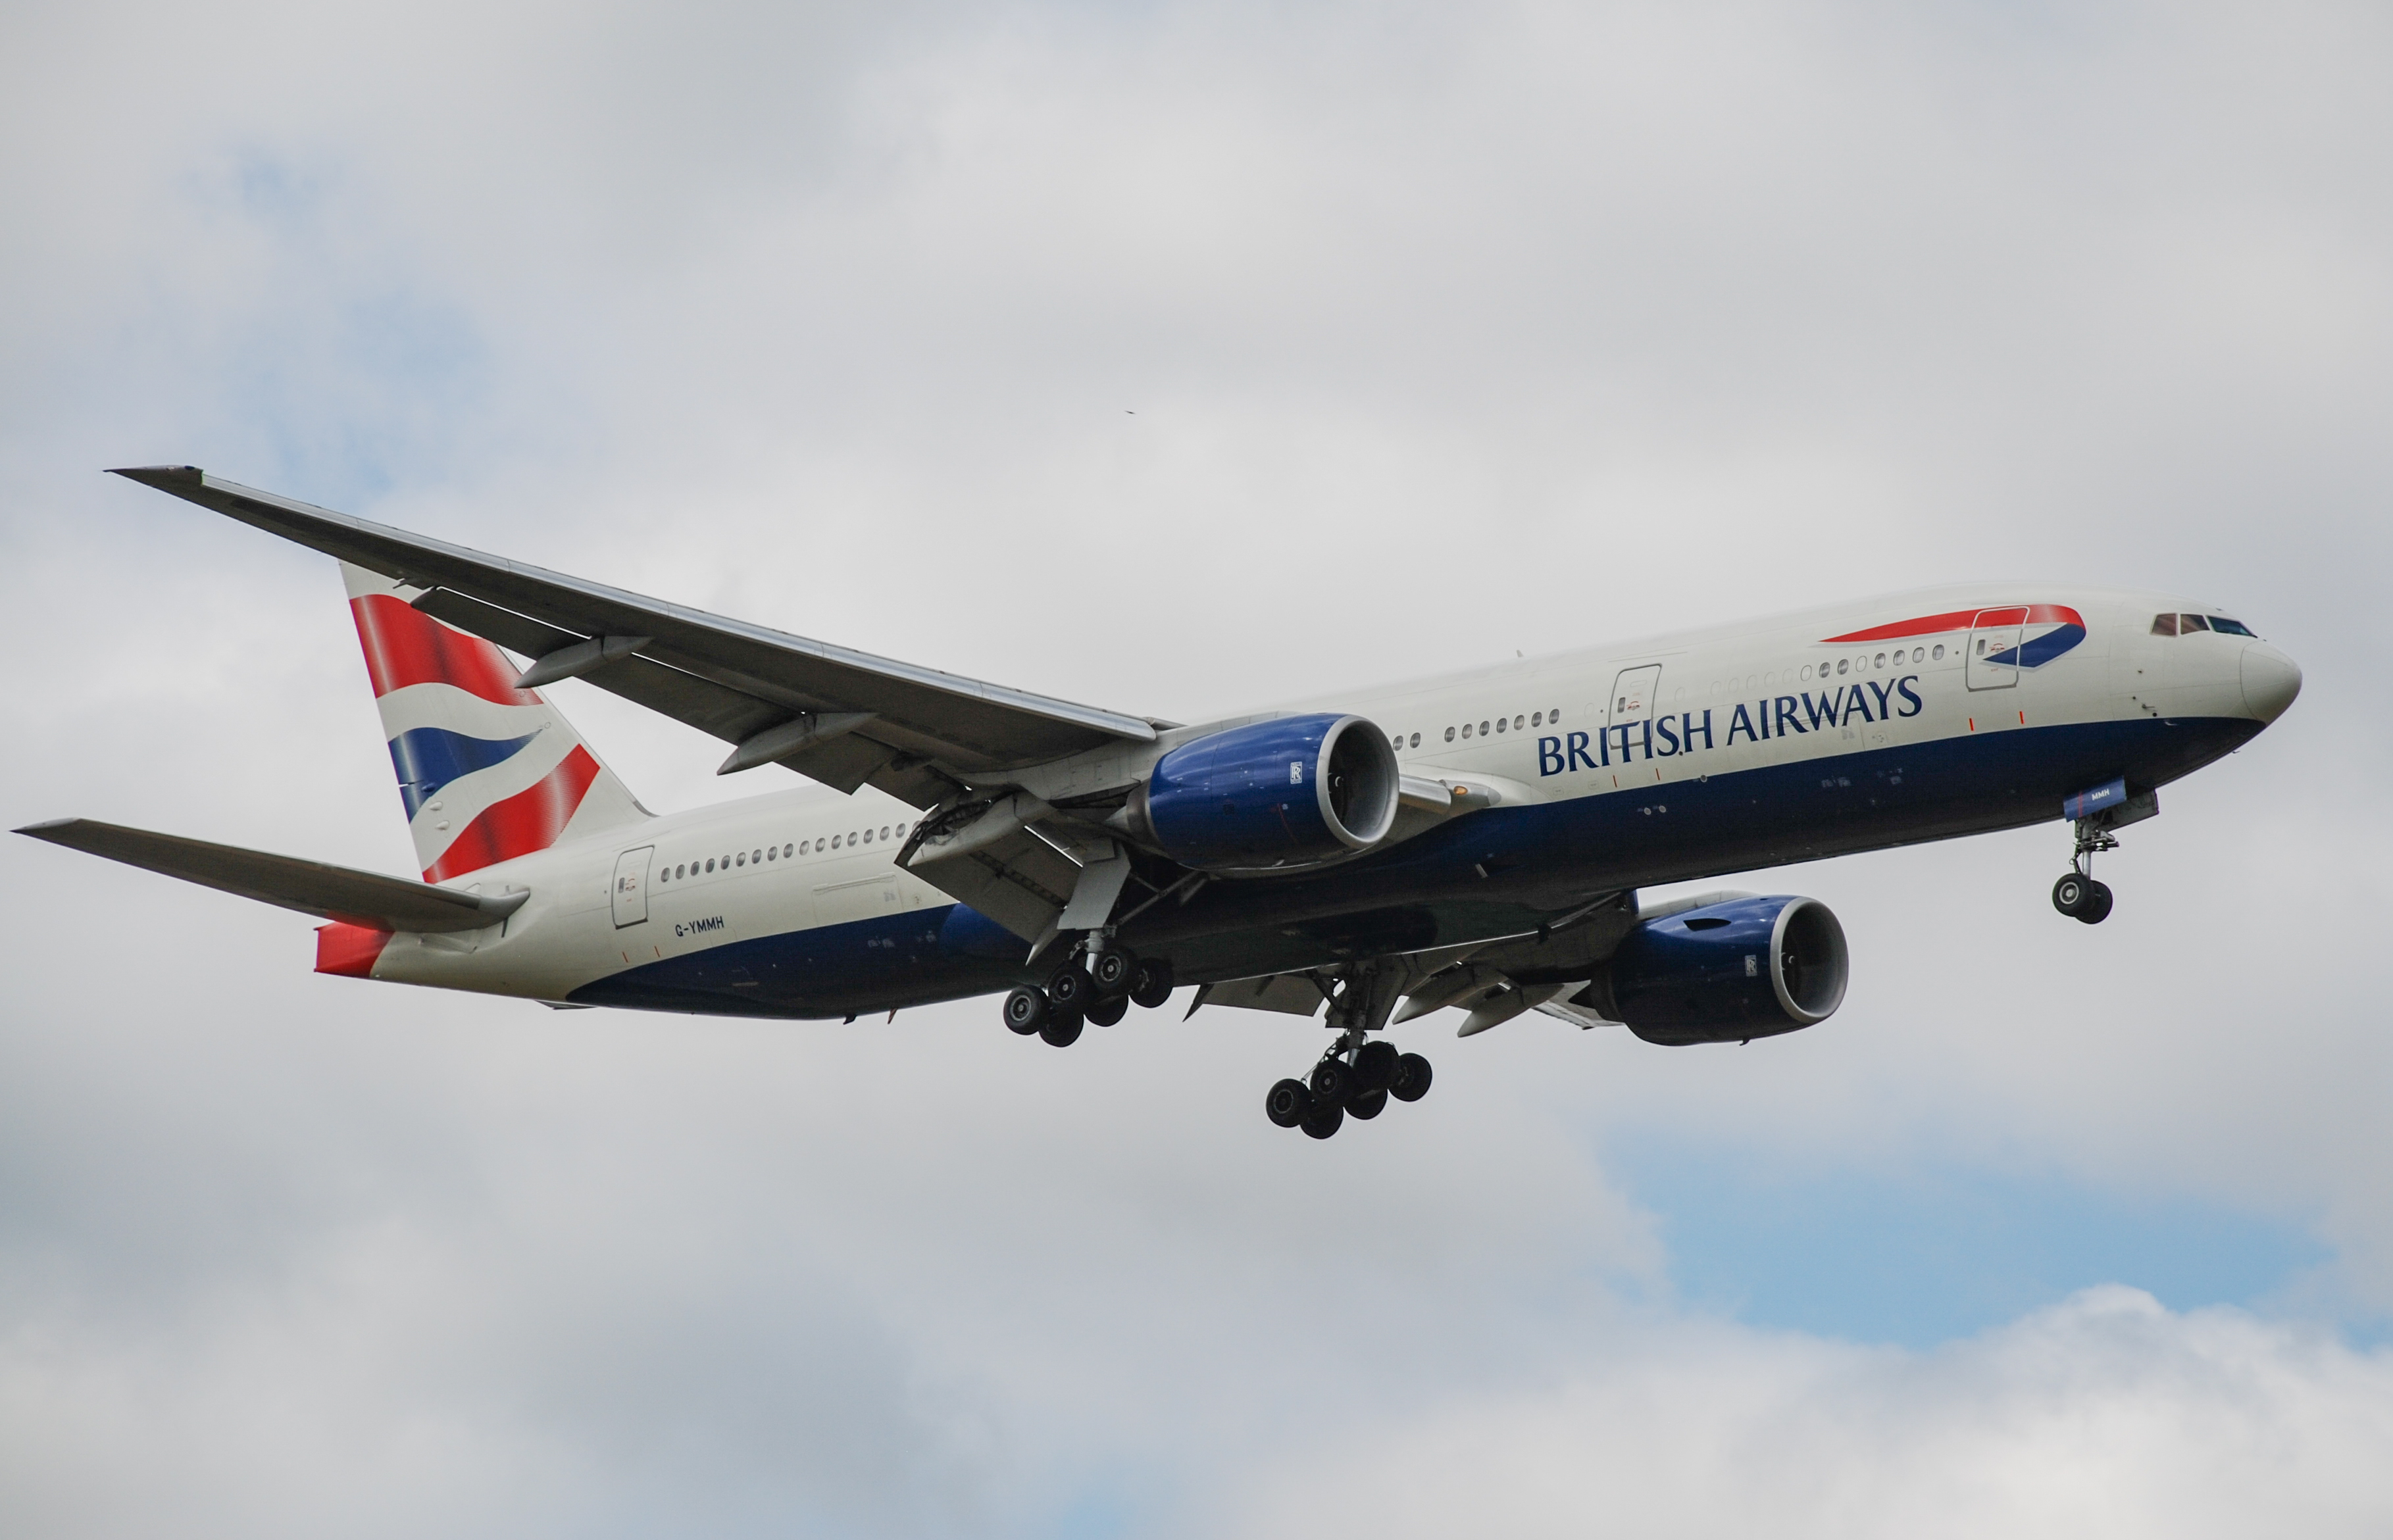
(1667, 737)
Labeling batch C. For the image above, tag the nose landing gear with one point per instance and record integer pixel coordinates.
(2077, 895)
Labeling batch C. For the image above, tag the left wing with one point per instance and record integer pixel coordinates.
(843, 717)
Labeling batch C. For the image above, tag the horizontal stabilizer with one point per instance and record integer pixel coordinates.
(352, 897)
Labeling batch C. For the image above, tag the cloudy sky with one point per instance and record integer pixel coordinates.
(1177, 358)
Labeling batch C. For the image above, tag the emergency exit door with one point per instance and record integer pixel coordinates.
(631, 893)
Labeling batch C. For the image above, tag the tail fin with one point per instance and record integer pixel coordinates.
(487, 771)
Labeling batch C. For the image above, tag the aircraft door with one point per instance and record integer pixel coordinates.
(1632, 696)
(1995, 638)
(631, 891)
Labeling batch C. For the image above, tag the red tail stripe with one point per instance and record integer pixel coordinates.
(1959, 619)
(406, 646)
(529, 820)
(348, 950)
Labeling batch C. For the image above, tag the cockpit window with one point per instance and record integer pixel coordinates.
(2164, 625)
(2187, 625)
(2226, 627)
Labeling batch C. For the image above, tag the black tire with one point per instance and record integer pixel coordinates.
(2097, 908)
(1113, 971)
(1333, 1081)
(1367, 1105)
(1412, 1078)
(1070, 988)
(1375, 1066)
(1153, 987)
(1025, 1009)
(1105, 1010)
(1287, 1104)
(1321, 1122)
(2069, 894)
(1062, 1030)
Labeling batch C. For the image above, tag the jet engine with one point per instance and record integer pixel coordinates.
(1747, 968)
(1291, 792)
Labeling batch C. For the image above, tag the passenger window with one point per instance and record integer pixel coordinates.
(1536, 719)
(1940, 649)
(1415, 740)
(1881, 660)
(1516, 723)
(1482, 729)
(710, 863)
(1553, 716)
(742, 860)
(771, 853)
(787, 851)
(1500, 724)
(2187, 625)
(1843, 663)
(756, 855)
(1466, 729)
(884, 831)
(1449, 734)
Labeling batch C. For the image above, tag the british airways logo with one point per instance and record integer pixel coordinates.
(1772, 716)
(2008, 637)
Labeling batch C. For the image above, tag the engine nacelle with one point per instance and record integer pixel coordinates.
(1747, 968)
(1293, 791)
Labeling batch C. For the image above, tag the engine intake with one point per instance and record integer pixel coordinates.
(1292, 791)
(1727, 972)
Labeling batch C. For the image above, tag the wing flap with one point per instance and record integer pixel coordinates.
(342, 894)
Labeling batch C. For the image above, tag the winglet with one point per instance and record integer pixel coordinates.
(178, 479)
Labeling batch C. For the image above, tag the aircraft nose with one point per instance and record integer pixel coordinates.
(2270, 681)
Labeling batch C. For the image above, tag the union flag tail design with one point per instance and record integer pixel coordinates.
(487, 771)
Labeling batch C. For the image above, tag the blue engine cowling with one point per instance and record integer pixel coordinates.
(1727, 972)
(1292, 791)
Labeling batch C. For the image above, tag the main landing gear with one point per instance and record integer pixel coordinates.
(2077, 895)
(1100, 986)
(1353, 1079)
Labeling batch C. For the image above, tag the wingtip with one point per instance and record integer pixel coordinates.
(166, 478)
(48, 827)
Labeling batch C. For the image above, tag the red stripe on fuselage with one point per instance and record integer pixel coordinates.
(529, 820)
(406, 646)
(348, 950)
(1961, 620)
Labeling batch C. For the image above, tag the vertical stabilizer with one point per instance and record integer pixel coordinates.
(487, 771)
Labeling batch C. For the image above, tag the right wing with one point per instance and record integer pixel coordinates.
(842, 717)
(353, 897)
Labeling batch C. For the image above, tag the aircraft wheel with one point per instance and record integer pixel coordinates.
(1375, 1066)
(1070, 988)
(1153, 987)
(1412, 1078)
(2069, 894)
(2096, 908)
(1025, 1009)
(1062, 1030)
(1368, 1104)
(1321, 1122)
(1333, 1081)
(1113, 971)
(1287, 1104)
(1105, 1010)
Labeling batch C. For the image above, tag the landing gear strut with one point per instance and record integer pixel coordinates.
(1100, 986)
(2077, 895)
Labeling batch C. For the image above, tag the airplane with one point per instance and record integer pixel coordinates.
(1476, 841)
